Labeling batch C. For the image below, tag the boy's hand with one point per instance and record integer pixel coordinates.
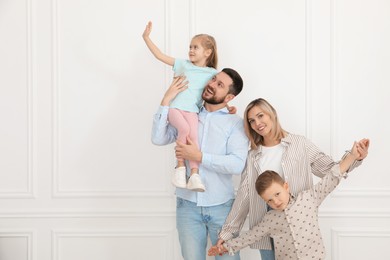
(354, 151)
(358, 151)
(148, 30)
(215, 250)
(362, 148)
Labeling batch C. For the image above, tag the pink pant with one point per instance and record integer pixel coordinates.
(186, 124)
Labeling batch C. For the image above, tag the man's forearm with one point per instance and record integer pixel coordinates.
(162, 132)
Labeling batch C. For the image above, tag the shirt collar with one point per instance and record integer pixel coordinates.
(291, 201)
(222, 110)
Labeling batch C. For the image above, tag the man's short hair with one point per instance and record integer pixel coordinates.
(238, 83)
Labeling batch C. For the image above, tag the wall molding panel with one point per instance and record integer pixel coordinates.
(308, 69)
(28, 192)
(165, 238)
(58, 188)
(354, 213)
(29, 235)
(361, 192)
(63, 214)
(333, 80)
(325, 213)
(339, 234)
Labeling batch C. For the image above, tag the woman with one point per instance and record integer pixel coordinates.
(272, 148)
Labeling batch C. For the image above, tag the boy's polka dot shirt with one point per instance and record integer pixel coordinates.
(295, 230)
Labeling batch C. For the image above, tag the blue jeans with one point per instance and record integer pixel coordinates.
(267, 254)
(194, 224)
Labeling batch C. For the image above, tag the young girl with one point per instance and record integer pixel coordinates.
(183, 112)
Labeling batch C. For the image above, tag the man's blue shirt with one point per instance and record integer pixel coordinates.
(224, 148)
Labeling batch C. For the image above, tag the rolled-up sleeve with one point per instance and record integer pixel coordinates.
(162, 132)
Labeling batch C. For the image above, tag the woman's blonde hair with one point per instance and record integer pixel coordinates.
(208, 43)
(277, 131)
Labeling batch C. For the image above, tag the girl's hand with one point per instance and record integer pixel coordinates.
(148, 30)
(232, 109)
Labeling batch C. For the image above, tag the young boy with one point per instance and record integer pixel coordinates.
(293, 222)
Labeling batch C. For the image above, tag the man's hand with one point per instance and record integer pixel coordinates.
(188, 151)
(178, 85)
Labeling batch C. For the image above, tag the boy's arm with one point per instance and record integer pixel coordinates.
(362, 147)
(153, 47)
(327, 184)
(322, 163)
(351, 157)
(252, 236)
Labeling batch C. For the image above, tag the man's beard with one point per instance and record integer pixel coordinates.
(214, 100)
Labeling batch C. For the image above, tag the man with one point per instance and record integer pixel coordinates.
(222, 154)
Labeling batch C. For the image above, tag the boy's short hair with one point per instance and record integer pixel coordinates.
(265, 180)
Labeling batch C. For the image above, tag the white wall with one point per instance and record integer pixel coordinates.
(78, 89)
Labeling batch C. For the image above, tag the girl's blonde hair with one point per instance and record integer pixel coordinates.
(208, 43)
(277, 131)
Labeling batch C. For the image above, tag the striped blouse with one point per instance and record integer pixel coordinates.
(301, 159)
